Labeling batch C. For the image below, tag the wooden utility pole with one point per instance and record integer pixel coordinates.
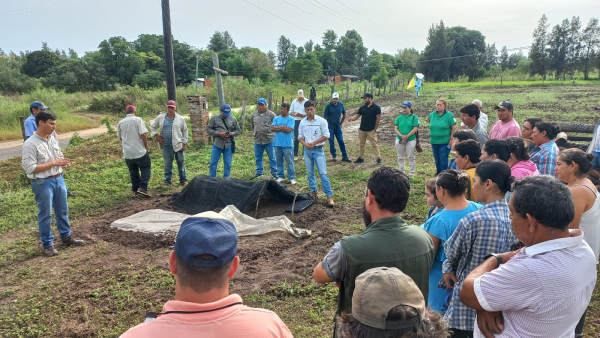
(218, 72)
(365, 88)
(168, 42)
(243, 116)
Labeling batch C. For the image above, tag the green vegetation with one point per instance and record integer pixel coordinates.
(103, 288)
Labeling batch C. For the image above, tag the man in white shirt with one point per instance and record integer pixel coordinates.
(543, 289)
(43, 162)
(297, 111)
(132, 132)
(313, 133)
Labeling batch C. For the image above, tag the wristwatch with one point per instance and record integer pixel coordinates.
(498, 258)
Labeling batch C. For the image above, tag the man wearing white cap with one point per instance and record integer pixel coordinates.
(297, 111)
(335, 114)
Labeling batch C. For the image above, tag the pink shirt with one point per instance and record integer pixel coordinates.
(503, 130)
(229, 322)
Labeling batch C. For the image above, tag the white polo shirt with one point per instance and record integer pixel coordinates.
(313, 130)
(542, 291)
(129, 131)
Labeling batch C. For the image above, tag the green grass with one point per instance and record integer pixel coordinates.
(102, 289)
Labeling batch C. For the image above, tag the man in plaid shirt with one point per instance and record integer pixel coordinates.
(478, 234)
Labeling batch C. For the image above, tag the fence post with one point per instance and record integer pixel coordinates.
(365, 88)
(282, 99)
(403, 85)
(347, 91)
(22, 121)
(371, 87)
(243, 116)
(332, 88)
(270, 102)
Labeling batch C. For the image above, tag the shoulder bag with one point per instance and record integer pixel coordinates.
(418, 146)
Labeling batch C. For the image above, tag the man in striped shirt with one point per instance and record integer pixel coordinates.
(543, 289)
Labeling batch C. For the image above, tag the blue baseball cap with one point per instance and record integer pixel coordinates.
(203, 235)
(407, 104)
(38, 104)
(226, 109)
(262, 100)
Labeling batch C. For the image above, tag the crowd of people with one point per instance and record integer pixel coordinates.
(509, 247)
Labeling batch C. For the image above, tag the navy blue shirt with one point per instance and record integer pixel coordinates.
(333, 114)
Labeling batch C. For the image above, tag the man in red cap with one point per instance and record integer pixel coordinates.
(132, 132)
(171, 133)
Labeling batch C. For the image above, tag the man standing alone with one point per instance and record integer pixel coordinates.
(43, 162)
(371, 116)
(312, 134)
(223, 128)
(297, 111)
(171, 133)
(335, 114)
(132, 132)
(261, 121)
(283, 126)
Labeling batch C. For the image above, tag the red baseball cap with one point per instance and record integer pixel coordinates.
(171, 103)
(130, 108)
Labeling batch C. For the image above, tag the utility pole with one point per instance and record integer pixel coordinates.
(196, 80)
(218, 72)
(168, 40)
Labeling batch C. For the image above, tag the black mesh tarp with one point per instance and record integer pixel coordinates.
(205, 193)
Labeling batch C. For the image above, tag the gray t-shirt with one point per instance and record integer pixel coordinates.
(482, 136)
(37, 151)
(129, 131)
(335, 264)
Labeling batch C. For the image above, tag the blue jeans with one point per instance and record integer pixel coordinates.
(259, 149)
(142, 164)
(596, 160)
(51, 193)
(336, 132)
(312, 157)
(168, 155)
(440, 154)
(214, 160)
(286, 153)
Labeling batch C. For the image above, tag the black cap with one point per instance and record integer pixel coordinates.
(504, 105)
(367, 95)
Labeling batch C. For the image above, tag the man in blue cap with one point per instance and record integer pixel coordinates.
(223, 128)
(261, 121)
(31, 126)
(204, 260)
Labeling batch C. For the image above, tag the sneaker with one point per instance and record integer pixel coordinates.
(144, 192)
(258, 176)
(71, 241)
(183, 184)
(50, 251)
(378, 161)
(359, 160)
(279, 180)
(293, 182)
(70, 194)
(295, 157)
(345, 159)
(334, 159)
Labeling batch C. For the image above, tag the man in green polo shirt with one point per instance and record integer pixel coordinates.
(406, 127)
(388, 241)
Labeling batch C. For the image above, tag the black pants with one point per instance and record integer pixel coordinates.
(579, 327)
(456, 333)
(296, 142)
(135, 166)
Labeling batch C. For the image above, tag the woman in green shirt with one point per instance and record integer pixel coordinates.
(442, 126)
(406, 126)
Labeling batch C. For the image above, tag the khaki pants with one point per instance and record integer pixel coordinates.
(372, 137)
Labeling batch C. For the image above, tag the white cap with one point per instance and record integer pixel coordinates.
(335, 96)
(478, 102)
(300, 92)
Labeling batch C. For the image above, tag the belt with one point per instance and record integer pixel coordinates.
(318, 147)
(55, 176)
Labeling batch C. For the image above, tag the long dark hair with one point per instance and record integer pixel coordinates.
(516, 146)
(455, 182)
(497, 171)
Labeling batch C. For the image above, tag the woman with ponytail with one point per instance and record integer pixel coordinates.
(451, 186)
(487, 230)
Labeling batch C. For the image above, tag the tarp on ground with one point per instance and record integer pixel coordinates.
(157, 221)
(205, 193)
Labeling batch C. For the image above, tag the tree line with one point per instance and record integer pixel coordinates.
(450, 53)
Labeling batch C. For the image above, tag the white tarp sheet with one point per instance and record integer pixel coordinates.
(157, 221)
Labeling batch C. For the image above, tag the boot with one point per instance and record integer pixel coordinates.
(50, 251)
(71, 241)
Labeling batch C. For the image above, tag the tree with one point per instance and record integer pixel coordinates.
(574, 45)
(261, 65)
(491, 56)
(39, 62)
(11, 79)
(228, 40)
(410, 59)
(286, 51)
(300, 52)
(272, 58)
(305, 70)
(351, 52)
(469, 48)
(329, 40)
(558, 47)
(504, 58)
(217, 43)
(381, 77)
(438, 47)
(590, 39)
(74, 75)
(327, 60)
(73, 54)
(538, 53)
(149, 79)
(121, 60)
(308, 47)
(515, 59)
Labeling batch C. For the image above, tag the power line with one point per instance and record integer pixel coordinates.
(26, 8)
(37, 10)
(282, 19)
(343, 4)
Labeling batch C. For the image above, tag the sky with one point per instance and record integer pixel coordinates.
(385, 25)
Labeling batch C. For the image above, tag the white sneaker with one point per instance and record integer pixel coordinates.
(293, 182)
(280, 180)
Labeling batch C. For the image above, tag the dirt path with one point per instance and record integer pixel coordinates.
(13, 148)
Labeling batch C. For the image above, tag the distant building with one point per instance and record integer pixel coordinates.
(341, 78)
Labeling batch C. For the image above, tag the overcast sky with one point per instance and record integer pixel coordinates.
(384, 25)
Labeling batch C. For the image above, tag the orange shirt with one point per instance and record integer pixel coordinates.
(234, 321)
